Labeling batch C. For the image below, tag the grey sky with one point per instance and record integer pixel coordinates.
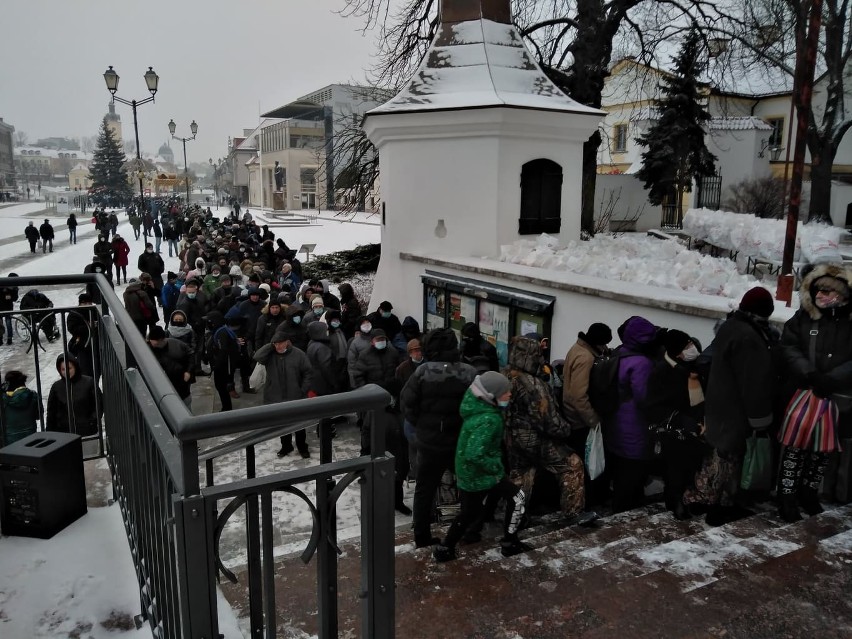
(217, 59)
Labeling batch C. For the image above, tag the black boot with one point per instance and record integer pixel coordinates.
(788, 508)
(399, 504)
(809, 501)
(511, 546)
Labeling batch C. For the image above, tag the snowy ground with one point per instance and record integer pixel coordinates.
(81, 583)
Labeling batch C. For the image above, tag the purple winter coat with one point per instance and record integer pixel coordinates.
(626, 431)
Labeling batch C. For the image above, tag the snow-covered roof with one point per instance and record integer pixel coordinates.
(80, 167)
(36, 151)
(746, 123)
(475, 64)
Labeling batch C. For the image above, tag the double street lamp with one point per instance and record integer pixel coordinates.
(152, 80)
(194, 129)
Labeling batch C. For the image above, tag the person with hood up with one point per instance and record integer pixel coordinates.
(289, 376)
(430, 401)
(223, 352)
(169, 296)
(72, 229)
(211, 281)
(351, 314)
(82, 327)
(337, 343)
(479, 466)
(21, 408)
(476, 350)
(74, 403)
(536, 434)
(251, 310)
(294, 325)
(625, 431)
(174, 358)
(199, 271)
(675, 402)
(151, 263)
(326, 379)
(103, 251)
(816, 346)
(271, 318)
(120, 251)
(140, 307)
(178, 329)
(738, 402)
(411, 329)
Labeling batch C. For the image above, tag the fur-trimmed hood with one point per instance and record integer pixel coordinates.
(806, 290)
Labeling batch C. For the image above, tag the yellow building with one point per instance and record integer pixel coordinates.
(79, 178)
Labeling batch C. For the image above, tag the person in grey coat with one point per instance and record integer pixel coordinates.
(289, 376)
(738, 402)
(359, 344)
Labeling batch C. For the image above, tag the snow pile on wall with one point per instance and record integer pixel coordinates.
(762, 238)
(634, 258)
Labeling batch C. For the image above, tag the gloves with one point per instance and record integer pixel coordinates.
(312, 394)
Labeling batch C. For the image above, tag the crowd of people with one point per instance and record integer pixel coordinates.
(658, 405)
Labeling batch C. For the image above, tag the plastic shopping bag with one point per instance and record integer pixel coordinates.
(595, 453)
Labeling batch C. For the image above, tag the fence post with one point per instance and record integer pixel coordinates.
(377, 554)
(194, 527)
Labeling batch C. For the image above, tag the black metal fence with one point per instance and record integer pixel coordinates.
(151, 442)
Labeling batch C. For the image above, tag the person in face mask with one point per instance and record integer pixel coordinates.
(296, 327)
(816, 348)
(174, 357)
(316, 311)
(675, 405)
(338, 345)
(403, 372)
(384, 319)
(359, 344)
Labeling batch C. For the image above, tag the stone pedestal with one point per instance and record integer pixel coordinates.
(279, 201)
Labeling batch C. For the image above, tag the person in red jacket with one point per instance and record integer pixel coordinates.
(120, 252)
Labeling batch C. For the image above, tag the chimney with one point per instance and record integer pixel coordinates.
(465, 10)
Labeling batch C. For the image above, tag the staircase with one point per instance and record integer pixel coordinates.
(278, 219)
(639, 574)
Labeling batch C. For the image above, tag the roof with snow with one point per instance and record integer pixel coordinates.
(478, 63)
(746, 123)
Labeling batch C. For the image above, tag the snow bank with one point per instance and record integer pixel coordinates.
(761, 238)
(635, 258)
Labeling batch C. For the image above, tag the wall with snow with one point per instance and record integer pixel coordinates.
(631, 198)
(841, 198)
(737, 157)
(464, 167)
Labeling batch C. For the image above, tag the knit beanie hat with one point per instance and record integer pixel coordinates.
(317, 301)
(489, 386)
(674, 341)
(598, 334)
(758, 301)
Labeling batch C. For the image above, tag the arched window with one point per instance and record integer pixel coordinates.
(541, 197)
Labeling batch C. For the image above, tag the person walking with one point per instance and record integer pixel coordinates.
(72, 229)
(45, 231)
(32, 235)
(103, 252)
(151, 263)
(174, 357)
(120, 252)
(74, 403)
(141, 308)
(8, 297)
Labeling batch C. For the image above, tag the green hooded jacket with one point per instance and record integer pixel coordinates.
(479, 454)
(21, 410)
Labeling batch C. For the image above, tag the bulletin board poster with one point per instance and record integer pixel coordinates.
(494, 327)
(526, 323)
(462, 311)
(434, 321)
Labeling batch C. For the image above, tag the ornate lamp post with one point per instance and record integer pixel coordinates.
(152, 80)
(194, 129)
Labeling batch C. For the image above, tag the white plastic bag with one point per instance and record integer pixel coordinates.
(258, 376)
(595, 453)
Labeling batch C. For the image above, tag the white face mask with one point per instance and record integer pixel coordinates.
(690, 353)
(366, 328)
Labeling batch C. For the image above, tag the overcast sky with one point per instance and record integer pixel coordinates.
(217, 61)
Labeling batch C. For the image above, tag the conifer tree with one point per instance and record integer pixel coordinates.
(676, 153)
(107, 171)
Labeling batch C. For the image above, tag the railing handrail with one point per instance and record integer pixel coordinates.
(250, 439)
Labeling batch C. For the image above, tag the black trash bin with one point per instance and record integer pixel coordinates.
(42, 487)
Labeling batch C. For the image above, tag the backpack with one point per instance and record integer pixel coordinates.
(212, 348)
(604, 390)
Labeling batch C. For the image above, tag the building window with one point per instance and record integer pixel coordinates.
(541, 197)
(619, 138)
(777, 135)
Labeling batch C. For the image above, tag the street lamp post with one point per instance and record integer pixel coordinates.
(194, 129)
(152, 80)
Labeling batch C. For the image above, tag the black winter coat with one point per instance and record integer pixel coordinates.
(741, 384)
(77, 393)
(174, 358)
(8, 297)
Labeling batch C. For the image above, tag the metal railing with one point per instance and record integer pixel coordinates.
(173, 524)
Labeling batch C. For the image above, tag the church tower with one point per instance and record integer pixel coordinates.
(113, 122)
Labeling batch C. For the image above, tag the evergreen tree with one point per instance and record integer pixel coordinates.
(676, 153)
(109, 177)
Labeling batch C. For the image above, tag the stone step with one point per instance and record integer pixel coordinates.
(637, 570)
